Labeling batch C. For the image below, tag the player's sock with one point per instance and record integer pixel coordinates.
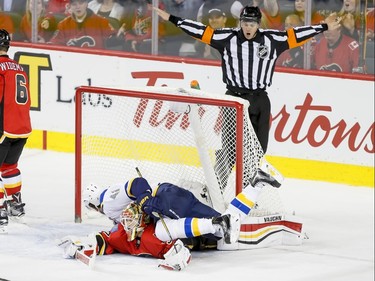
(244, 202)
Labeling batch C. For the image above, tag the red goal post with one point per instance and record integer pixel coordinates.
(171, 134)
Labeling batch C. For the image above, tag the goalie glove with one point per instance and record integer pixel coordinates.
(177, 258)
(71, 245)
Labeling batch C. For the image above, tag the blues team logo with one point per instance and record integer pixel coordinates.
(262, 51)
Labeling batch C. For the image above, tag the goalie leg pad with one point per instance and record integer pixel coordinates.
(235, 226)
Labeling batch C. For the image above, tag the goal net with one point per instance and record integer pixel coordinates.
(194, 139)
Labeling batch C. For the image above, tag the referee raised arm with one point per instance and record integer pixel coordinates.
(249, 55)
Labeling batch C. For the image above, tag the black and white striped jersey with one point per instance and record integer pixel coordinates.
(248, 64)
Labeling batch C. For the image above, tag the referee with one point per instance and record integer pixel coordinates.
(249, 55)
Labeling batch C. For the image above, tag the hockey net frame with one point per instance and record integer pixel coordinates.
(182, 96)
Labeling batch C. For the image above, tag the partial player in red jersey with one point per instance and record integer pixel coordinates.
(336, 52)
(83, 28)
(15, 127)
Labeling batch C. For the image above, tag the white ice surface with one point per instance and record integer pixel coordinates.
(338, 219)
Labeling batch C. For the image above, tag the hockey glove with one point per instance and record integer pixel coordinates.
(149, 204)
(71, 245)
(177, 258)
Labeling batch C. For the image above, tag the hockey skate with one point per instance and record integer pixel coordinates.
(229, 226)
(3, 220)
(261, 178)
(15, 206)
(265, 166)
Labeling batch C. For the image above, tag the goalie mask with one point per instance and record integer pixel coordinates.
(133, 221)
(91, 197)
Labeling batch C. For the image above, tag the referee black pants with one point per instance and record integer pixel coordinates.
(259, 112)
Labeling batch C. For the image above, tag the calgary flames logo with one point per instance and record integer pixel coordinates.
(331, 67)
(84, 41)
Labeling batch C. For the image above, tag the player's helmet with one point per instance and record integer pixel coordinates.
(91, 196)
(249, 13)
(4, 38)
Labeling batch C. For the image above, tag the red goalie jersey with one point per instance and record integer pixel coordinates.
(147, 245)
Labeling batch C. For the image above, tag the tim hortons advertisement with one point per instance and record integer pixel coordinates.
(314, 118)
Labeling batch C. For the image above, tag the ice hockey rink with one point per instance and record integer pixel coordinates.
(338, 220)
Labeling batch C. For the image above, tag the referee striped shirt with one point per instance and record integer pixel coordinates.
(248, 64)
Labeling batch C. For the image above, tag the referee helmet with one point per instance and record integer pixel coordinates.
(249, 13)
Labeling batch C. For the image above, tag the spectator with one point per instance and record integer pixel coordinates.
(271, 17)
(328, 6)
(232, 10)
(179, 43)
(14, 6)
(216, 19)
(292, 57)
(46, 23)
(299, 9)
(336, 52)
(58, 7)
(109, 9)
(370, 24)
(6, 23)
(84, 29)
(138, 36)
(351, 19)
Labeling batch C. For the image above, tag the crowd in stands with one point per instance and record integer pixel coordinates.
(127, 25)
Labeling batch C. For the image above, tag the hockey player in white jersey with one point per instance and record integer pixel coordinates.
(166, 199)
(183, 213)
